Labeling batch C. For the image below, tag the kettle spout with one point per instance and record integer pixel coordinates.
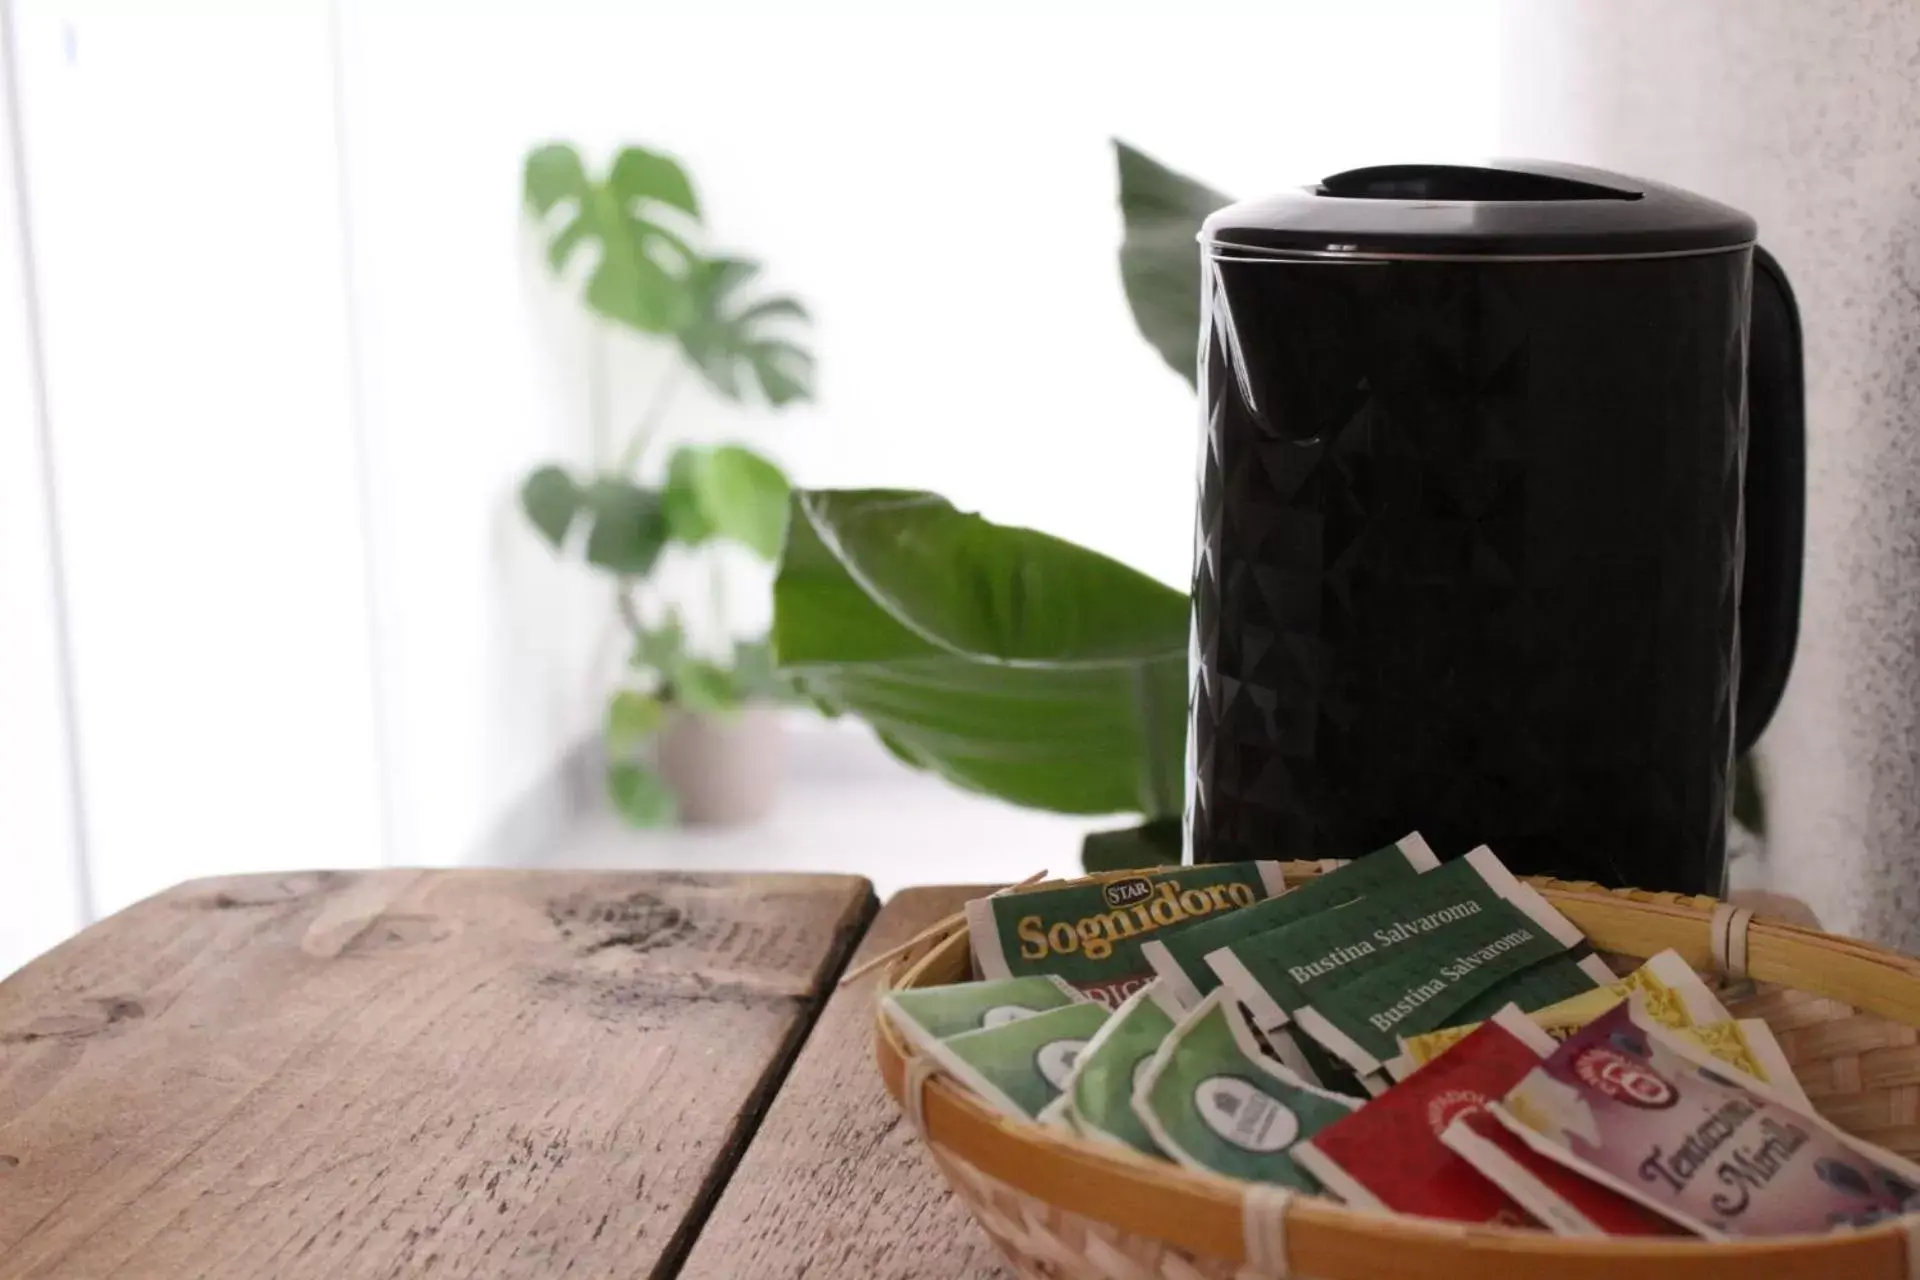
(1290, 336)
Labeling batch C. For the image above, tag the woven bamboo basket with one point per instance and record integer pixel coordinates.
(1844, 1012)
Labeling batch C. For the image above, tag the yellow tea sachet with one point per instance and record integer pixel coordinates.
(1673, 993)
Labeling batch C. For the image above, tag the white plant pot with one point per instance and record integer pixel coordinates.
(727, 769)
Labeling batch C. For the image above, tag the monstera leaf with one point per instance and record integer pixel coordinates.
(731, 340)
(1005, 660)
(626, 524)
(640, 277)
(1159, 257)
(726, 491)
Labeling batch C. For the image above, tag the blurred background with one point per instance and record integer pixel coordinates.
(282, 345)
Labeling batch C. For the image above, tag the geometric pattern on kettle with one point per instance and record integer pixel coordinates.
(1305, 525)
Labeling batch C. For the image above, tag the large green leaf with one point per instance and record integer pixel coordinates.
(687, 519)
(641, 278)
(727, 491)
(728, 338)
(554, 174)
(629, 527)
(745, 498)
(639, 175)
(551, 500)
(1159, 259)
(626, 524)
(1157, 843)
(1006, 660)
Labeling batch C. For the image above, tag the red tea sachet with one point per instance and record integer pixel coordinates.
(1388, 1155)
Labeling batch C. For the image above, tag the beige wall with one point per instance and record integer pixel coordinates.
(1806, 113)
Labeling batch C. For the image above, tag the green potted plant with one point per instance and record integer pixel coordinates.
(688, 734)
(1008, 661)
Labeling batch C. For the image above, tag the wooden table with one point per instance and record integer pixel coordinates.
(468, 1073)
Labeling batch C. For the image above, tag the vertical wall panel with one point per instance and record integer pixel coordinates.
(1805, 113)
(184, 184)
(42, 896)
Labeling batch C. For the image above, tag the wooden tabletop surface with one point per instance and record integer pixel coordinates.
(467, 1073)
(835, 1183)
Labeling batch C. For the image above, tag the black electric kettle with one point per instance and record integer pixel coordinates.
(1500, 520)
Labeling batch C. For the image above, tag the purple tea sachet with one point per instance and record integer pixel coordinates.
(1668, 1125)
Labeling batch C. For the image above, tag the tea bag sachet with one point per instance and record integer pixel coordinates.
(1275, 972)
(1549, 983)
(1428, 1146)
(1099, 1094)
(1673, 992)
(928, 1014)
(1748, 1046)
(1179, 959)
(1425, 984)
(1090, 933)
(1021, 1067)
(1630, 1106)
(1213, 1101)
(1567, 1203)
(1058, 1114)
(1388, 1155)
(1673, 995)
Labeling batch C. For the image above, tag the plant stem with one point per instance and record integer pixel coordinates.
(597, 392)
(717, 596)
(623, 598)
(650, 420)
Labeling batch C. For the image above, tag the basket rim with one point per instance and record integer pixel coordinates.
(1204, 1212)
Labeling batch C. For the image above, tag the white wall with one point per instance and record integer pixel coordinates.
(299, 348)
(936, 182)
(1805, 113)
(187, 228)
(42, 882)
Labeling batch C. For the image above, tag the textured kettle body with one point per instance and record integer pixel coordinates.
(1469, 558)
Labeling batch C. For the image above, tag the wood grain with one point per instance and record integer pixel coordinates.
(835, 1186)
(466, 1073)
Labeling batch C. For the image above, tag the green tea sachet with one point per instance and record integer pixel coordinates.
(1673, 994)
(928, 1014)
(1424, 986)
(1021, 1067)
(1090, 933)
(1537, 988)
(1277, 971)
(1179, 959)
(1213, 1101)
(1100, 1094)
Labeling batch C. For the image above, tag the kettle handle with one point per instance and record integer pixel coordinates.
(1775, 500)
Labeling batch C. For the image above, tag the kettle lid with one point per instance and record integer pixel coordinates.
(1498, 209)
